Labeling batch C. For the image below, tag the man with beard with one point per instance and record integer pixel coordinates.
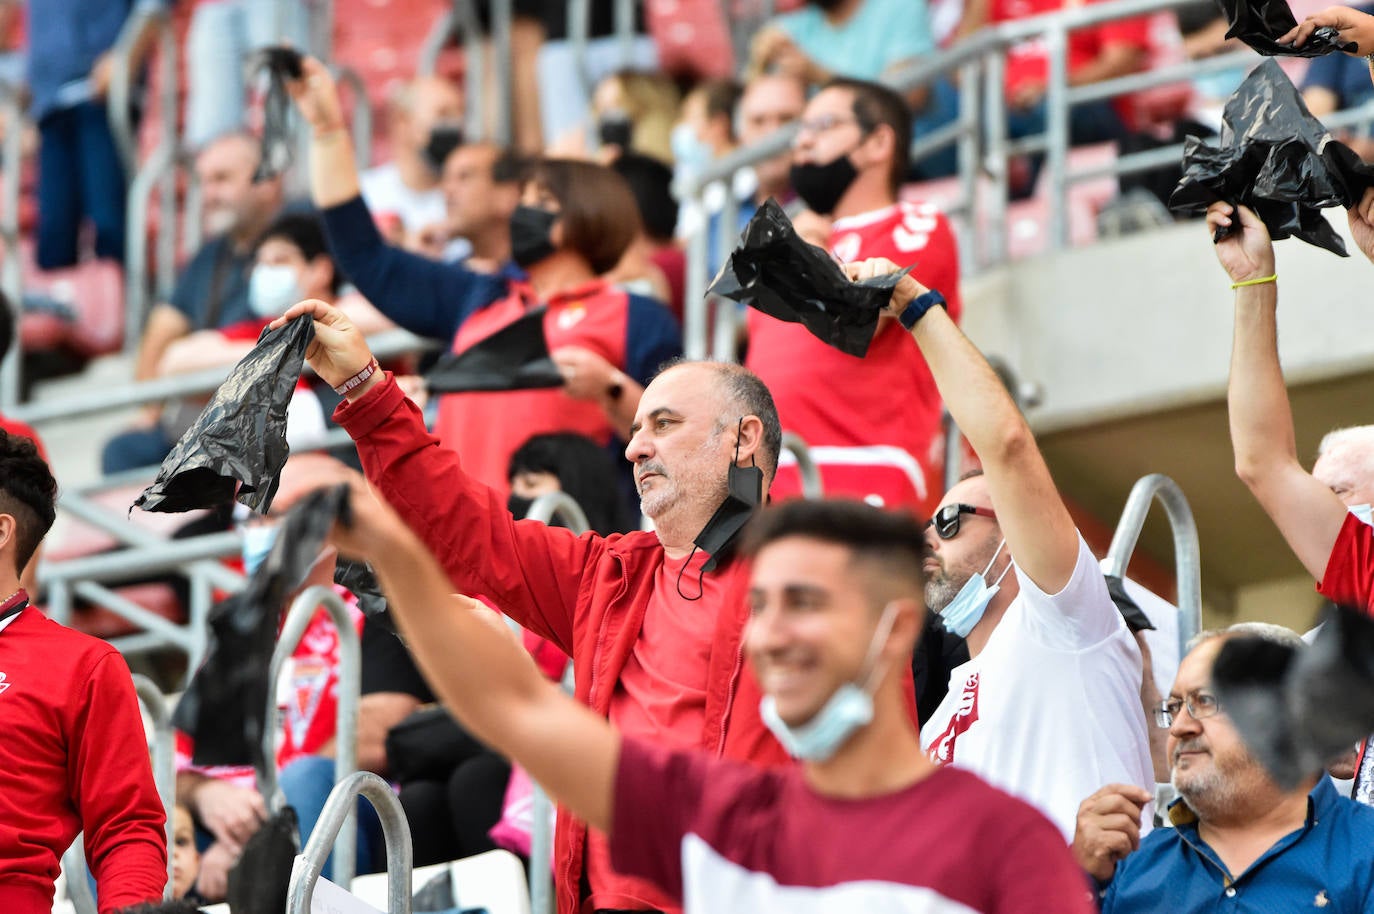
(653, 621)
(1239, 842)
(1049, 702)
(873, 426)
(212, 290)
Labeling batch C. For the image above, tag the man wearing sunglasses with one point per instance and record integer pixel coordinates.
(1239, 841)
(1050, 700)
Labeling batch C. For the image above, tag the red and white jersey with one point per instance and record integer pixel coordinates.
(873, 424)
(725, 836)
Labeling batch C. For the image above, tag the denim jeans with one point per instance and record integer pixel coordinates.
(80, 177)
(306, 783)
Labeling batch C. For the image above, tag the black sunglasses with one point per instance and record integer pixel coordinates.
(946, 519)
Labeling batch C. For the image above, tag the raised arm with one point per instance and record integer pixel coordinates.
(1040, 533)
(496, 691)
(1307, 513)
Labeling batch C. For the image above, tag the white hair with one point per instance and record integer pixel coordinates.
(1268, 631)
(1360, 437)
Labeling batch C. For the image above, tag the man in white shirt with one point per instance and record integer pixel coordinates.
(1049, 704)
(424, 124)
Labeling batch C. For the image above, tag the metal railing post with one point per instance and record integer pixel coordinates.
(78, 885)
(812, 486)
(625, 31)
(362, 114)
(695, 307)
(136, 286)
(579, 31)
(11, 270)
(337, 818)
(954, 450)
(298, 619)
(1057, 130)
(164, 757)
(995, 159)
(725, 312)
(561, 505)
(500, 39)
(1187, 554)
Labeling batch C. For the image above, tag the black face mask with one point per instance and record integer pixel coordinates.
(530, 230)
(821, 186)
(745, 494)
(827, 5)
(518, 505)
(615, 129)
(443, 139)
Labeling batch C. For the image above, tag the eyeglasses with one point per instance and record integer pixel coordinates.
(1201, 705)
(946, 520)
(825, 122)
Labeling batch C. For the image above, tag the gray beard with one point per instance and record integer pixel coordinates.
(941, 590)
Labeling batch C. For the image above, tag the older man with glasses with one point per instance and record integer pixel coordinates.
(1239, 842)
(1049, 701)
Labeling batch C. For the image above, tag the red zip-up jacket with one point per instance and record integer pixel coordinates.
(73, 758)
(586, 594)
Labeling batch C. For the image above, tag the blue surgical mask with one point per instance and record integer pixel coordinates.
(969, 604)
(847, 710)
(257, 544)
(1363, 512)
(272, 288)
(690, 154)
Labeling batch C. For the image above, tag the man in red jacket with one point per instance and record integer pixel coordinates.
(73, 757)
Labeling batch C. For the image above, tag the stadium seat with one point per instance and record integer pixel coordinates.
(79, 308)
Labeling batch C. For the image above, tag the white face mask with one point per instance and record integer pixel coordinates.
(848, 709)
(968, 605)
(272, 288)
(1363, 512)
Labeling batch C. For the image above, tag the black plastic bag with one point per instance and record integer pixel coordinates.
(279, 64)
(259, 882)
(1275, 158)
(1299, 710)
(778, 273)
(236, 448)
(516, 357)
(1259, 23)
(225, 705)
(1130, 610)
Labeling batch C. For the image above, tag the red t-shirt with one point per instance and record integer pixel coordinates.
(1349, 576)
(1028, 63)
(733, 837)
(873, 424)
(660, 697)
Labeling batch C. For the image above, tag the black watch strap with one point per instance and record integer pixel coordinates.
(919, 306)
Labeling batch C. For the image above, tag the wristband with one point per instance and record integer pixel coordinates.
(1274, 278)
(358, 379)
(919, 306)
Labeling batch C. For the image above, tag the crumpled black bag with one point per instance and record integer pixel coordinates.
(259, 882)
(1298, 710)
(236, 448)
(516, 357)
(1130, 610)
(1275, 158)
(776, 272)
(279, 64)
(224, 708)
(1259, 23)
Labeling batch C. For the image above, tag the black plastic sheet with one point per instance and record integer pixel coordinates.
(259, 882)
(1130, 610)
(236, 448)
(516, 357)
(279, 64)
(225, 706)
(1275, 158)
(778, 273)
(1259, 23)
(1297, 710)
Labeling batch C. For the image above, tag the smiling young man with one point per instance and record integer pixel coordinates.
(864, 823)
(1239, 842)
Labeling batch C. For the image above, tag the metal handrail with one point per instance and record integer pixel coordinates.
(298, 619)
(119, 97)
(137, 293)
(337, 818)
(812, 486)
(1187, 554)
(386, 345)
(561, 505)
(460, 19)
(164, 758)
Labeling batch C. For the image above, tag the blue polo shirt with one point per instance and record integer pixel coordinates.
(1327, 865)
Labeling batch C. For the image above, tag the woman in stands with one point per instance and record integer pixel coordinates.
(573, 222)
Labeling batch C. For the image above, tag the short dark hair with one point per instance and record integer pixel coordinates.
(893, 541)
(721, 97)
(749, 396)
(600, 217)
(509, 167)
(651, 183)
(28, 493)
(876, 106)
(7, 325)
(585, 471)
(306, 233)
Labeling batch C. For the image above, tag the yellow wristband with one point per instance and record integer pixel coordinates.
(1256, 282)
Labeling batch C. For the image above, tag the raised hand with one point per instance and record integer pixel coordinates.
(339, 350)
(1246, 253)
(1108, 828)
(1354, 27)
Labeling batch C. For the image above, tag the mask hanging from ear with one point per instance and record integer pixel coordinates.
(743, 496)
(969, 604)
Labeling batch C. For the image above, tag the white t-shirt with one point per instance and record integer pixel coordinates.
(1050, 710)
(384, 192)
